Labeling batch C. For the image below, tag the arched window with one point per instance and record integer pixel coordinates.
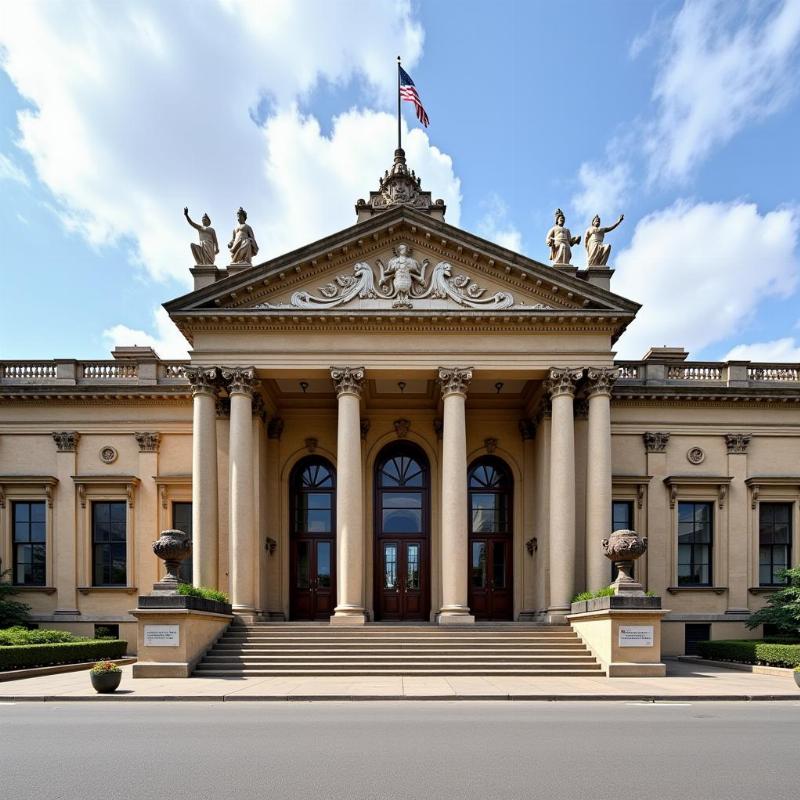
(490, 486)
(314, 497)
(402, 483)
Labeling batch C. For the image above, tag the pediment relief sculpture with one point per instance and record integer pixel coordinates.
(403, 282)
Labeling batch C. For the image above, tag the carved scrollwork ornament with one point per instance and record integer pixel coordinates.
(275, 428)
(454, 380)
(562, 381)
(527, 429)
(240, 380)
(203, 380)
(601, 380)
(108, 454)
(401, 427)
(695, 455)
(490, 443)
(148, 441)
(348, 380)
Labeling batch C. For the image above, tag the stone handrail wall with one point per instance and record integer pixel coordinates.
(70, 372)
(710, 373)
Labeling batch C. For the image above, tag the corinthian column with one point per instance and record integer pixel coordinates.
(349, 499)
(454, 383)
(598, 477)
(241, 386)
(561, 386)
(205, 525)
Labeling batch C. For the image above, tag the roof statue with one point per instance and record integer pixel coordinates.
(206, 252)
(242, 245)
(597, 252)
(560, 241)
(399, 186)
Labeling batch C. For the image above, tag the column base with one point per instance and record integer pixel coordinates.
(455, 615)
(244, 615)
(557, 615)
(348, 615)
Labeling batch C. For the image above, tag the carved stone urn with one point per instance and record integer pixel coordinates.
(172, 547)
(623, 548)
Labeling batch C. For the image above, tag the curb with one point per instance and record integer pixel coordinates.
(339, 698)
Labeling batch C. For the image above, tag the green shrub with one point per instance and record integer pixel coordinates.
(202, 591)
(19, 635)
(752, 651)
(12, 612)
(606, 591)
(42, 655)
(783, 607)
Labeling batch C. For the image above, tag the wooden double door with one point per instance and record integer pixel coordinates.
(402, 534)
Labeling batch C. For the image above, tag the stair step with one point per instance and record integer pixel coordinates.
(554, 671)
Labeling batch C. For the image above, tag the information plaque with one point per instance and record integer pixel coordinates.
(636, 636)
(162, 635)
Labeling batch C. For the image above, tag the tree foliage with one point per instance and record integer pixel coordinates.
(12, 612)
(783, 607)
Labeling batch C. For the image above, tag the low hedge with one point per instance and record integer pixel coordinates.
(18, 636)
(44, 655)
(751, 651)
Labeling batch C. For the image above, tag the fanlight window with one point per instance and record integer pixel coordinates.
(402, 484)
(490, 488)
(314, 488)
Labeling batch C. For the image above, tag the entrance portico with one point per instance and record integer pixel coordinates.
(401, 329)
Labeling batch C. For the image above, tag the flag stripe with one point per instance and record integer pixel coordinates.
(408, 92)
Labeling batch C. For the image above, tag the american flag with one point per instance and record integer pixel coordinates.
(409, 92)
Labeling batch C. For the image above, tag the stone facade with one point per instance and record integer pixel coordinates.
(345, 348)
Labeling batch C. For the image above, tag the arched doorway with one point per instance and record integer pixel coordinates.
(312, 567)
(402, 533)
(491, 534)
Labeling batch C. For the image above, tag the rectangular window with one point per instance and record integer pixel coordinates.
(109, 545)
(106, 631)
(182, 521)
(774, 542)
(695, 540)
(621, 520)
(29, 539)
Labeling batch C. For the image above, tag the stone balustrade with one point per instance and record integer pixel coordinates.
(739, 374)
(70, 372)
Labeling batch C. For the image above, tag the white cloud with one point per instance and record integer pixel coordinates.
(168, 341)
(603, 190)
(495, 226)
(142, 108)
(787, 349)
(9, 171)
(726, 65)
(702, 270)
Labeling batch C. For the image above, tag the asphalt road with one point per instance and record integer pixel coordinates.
(407, 750)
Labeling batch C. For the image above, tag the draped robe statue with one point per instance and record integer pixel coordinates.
(560, 241)
(206, 252)
(242, 245)
(597, 252)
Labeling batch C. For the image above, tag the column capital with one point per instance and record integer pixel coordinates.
(348, 380)
(562, 381)
(203, 380)
(454, 380)
(275, 428)
(148, 441)
(655, 441)
(737, 442)
(66, 441)
(240, 380)
(259, 408)
(601, 380)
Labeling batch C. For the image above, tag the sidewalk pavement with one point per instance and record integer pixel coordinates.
(683, 682)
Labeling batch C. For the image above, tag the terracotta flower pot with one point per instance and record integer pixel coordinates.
(105, 682)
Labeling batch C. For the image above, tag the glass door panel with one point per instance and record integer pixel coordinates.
(324, 565)
(390, 566)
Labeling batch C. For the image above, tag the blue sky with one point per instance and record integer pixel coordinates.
(683, 115)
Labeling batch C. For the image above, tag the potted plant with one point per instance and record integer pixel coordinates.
(106, 676)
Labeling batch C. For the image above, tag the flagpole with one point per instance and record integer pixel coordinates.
(399, 138)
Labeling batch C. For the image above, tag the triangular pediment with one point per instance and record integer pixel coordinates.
(402, 262)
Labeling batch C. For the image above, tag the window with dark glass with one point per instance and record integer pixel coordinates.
(489, 497)
(695, 541)
(182, 521)
(109, 546)
(621, 520)
(401, 483)
(29, 539)
(314, 489)
(774, 542)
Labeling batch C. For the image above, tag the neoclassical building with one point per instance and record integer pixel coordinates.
(400, 422)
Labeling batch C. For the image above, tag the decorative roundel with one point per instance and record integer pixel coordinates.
(108, 454)
(696, 455)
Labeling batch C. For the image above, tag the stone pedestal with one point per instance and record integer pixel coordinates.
(623, 633)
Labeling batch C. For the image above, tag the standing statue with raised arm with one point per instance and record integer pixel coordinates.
(597, 252)
(242, 245)
(560, 241)
(205, 252)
